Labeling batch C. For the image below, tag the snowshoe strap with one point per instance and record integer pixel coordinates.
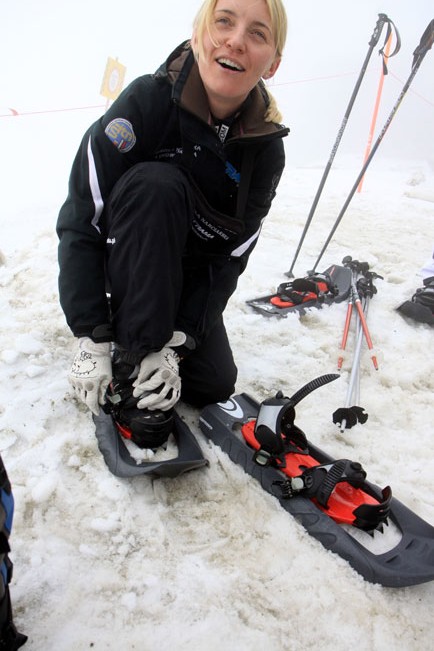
(276, 433)
(318, 284)
(320, 481)
(285, 292)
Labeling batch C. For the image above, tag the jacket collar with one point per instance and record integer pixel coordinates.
(182, 71)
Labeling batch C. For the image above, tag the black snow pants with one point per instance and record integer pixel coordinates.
(149, 217)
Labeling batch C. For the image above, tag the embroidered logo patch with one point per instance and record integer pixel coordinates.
(121, 133)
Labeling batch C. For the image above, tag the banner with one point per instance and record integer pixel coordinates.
(113, 79)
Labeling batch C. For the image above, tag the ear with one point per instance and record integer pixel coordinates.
(272, 69)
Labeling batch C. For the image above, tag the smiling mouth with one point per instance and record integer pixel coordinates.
(227, 64)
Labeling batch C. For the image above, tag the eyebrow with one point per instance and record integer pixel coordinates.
(256, 23)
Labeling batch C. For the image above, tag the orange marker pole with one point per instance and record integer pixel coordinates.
(376, 107)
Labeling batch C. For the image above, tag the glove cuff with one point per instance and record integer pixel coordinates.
(182, 343)
(90, 346)
(98, 334)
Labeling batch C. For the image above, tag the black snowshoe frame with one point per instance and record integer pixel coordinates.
(409, 562)
(301, 294)
(280, 443)
(119, 461)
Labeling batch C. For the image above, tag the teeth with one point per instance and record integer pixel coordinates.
(229, 64)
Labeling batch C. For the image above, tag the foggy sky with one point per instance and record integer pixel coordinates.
(54, 54)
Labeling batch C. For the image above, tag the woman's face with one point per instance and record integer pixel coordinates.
(245, 52)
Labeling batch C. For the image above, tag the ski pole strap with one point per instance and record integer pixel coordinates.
(383, 19)
(391, 27)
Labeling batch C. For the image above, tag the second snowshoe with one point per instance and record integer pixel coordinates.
(312, 291)
(331, 498)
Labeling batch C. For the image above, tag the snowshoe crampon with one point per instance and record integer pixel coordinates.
(313, 291)
(331, 498)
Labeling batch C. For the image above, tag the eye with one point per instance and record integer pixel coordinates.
(259, 34)
(222, 22)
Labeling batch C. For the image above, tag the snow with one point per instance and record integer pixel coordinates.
(208, 560)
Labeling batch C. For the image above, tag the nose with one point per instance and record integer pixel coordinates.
(236, 40)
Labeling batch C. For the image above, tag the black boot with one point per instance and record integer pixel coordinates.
(425, 295)
(421, 306)
(146, 428)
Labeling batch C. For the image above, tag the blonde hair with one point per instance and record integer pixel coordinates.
(279, 26)
(279, 23)
(272, 114)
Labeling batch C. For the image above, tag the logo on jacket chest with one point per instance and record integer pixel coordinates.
(174, 154)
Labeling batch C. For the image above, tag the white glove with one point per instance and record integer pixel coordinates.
(91, 372)
(158, 370)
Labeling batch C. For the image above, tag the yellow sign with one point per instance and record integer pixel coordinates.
(113, 79)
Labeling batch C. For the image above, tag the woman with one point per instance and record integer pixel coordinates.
(166, 199)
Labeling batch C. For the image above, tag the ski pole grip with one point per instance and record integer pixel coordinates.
(428, 36)
(426, 42)
(382, 19)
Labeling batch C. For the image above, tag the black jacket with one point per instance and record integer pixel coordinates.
(170, 121)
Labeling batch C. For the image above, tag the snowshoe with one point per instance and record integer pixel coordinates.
(421, 306)
(313, 291)
(112, 443)
(146, 428)
(137, 441)
(331, 498)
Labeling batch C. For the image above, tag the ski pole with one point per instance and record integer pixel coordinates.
(382, 20)
(364, 287)
(358, 305)
(376, 107)
(425, 44)
(352, 414)
(356, 268)
(346, 330)
(354, 379)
